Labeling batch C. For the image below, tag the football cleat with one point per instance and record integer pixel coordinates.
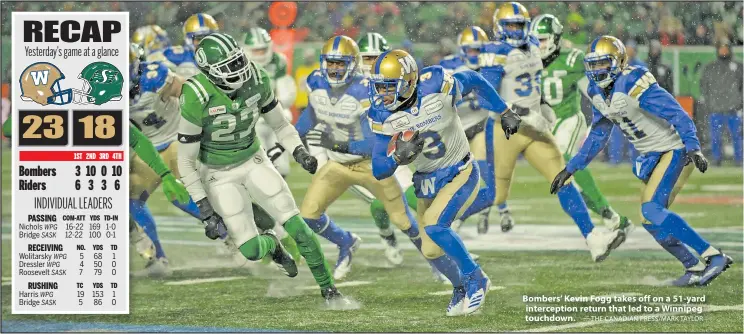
(457, 302)
(281, 257)
(334, 299)
(476, 286)
(507, 222)
(690, 278)
(159, 267)
(392, 252)
(141, 242)
(601, 244)
(345, 253)
(614, 221)
(483, 221)
(716, 265)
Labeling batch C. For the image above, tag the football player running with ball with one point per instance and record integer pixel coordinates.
(339, 99)
(219, 110)
(513, 65)
(629, 97)
(563, 78)
(415, 120)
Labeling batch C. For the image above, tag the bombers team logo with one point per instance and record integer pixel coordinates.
(42, 83)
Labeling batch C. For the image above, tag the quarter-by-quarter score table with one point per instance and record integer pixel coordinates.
(70, 163)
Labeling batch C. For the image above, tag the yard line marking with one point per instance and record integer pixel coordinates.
(449, 292)
(558, 328)
(205, 280)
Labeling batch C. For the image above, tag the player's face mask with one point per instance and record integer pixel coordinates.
(337, 69)
(470, 56)
(386, 93)
(602, 70)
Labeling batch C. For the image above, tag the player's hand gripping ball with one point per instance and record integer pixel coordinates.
(405, 146)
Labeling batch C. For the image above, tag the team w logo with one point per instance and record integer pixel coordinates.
(40, 78)
(428, 186)
(408, 64)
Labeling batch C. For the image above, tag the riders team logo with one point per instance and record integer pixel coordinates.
(41, 82)
(201, 58)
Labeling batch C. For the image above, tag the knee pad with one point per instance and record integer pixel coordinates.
(250, 249)
(429, 248)
(654, 212)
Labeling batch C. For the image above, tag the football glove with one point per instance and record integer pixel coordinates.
(174, 189)
(405, 146)
(275, 152)
(559, 181)
(325, 140)
(214, 226)
(307, 161)
(697, 157)
(510, 123)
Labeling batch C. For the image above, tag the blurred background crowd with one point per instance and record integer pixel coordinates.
(683, 43)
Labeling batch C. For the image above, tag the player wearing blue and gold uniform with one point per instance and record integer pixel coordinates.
(514, 65)
(154, 109)
(181, 57)
(473, 118)
(154, 41)
(629, 97)
(446, 179)
(338, 103)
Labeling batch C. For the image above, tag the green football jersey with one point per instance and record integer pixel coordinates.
(227, 120)
(560, 80)
(277, 67)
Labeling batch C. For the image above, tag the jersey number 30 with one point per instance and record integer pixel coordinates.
(525, 79)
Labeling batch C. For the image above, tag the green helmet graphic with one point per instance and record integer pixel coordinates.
(102, 82)
(548, 30)
(257, 44)
(220, 58)
(371, 45)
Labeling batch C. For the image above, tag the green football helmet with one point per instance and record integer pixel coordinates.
(220, 58)
(371, 45)
(548, 30)
(102, 82)
(257, 44)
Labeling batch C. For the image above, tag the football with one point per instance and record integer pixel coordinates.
(405, 146)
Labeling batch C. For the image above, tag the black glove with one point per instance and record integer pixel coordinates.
(405, 152)
(559, 181)
(214, 227)
(325, 140)
(510, 122)
(697, 157)
(275, 152)
(308, 162)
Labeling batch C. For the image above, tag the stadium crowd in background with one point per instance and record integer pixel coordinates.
(651, 24)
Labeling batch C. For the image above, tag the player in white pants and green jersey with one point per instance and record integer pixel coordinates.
(563, 78)
(219, 110)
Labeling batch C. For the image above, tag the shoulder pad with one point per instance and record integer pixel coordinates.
(451, 62)
(279, 58)
(377, 118)
(154, 76)
(178, 54)
(316, 81)
(575, 58)
(593, 89)
(431, 80)
(359, 88)
(195, 91)
(634, 81)
(498, 48)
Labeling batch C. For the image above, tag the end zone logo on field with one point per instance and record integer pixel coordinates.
(41, 83)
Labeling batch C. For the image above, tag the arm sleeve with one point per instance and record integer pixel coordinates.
(306, 121)
(363, 147)
(659, 102)
(144, 149)
(583, 85)
(286, 91)
(286, 134)
(595, 142)
(189, 138)
(383, 166)
(472, 81)
(493, 75)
